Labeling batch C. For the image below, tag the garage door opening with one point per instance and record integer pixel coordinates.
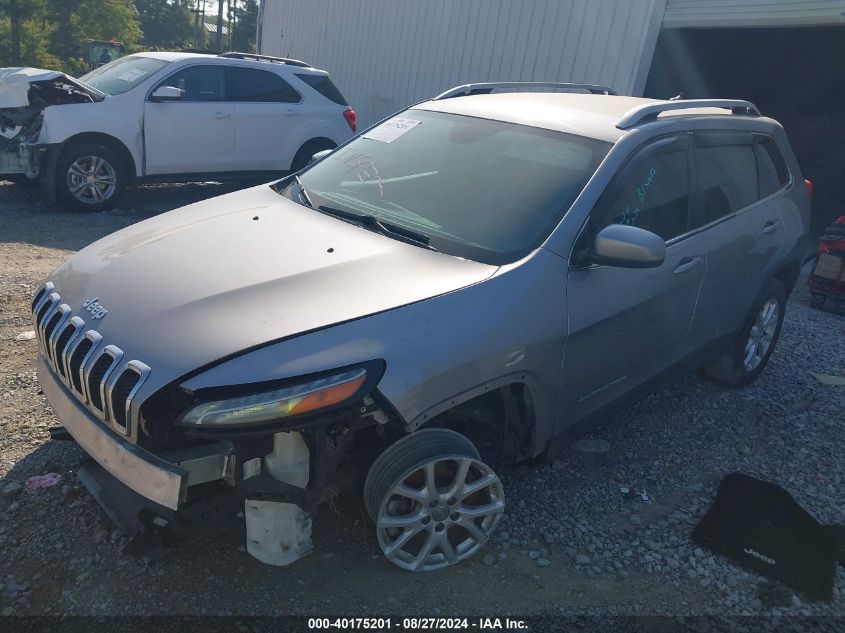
(795, 75)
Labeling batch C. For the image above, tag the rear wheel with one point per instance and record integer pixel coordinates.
(433, 500)
(89, 177)
(755, 342)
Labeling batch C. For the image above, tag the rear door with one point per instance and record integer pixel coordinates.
(627, 325)
(739, 179)
(267, 109)
(195, 134)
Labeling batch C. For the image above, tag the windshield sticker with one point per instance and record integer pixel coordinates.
(390, 130)
(132, 75)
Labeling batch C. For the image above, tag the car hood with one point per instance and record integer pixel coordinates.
(15, 84)
(214, 278)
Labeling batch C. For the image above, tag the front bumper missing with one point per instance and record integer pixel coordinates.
(24, 159)
(163, 480)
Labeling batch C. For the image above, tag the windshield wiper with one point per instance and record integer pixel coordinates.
(303, 194)
(372, 223)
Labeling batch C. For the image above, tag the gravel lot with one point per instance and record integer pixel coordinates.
(570, 543)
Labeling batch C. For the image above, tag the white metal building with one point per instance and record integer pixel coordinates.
(385, 54)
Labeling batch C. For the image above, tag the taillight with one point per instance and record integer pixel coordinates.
(351, 118)
(809, 185)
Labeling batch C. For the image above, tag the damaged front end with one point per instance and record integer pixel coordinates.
(24, 95)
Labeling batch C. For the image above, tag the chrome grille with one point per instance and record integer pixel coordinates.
(95, 373)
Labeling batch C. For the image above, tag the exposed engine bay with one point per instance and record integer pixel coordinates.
(24, 94)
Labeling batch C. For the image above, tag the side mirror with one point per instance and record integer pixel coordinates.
(167, 93)
(320, 155)
(627, 246)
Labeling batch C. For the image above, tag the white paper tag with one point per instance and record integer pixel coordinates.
(390, 130)
(132, 75)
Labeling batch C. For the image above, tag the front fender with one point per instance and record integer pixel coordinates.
(120, 121)
(441, 351)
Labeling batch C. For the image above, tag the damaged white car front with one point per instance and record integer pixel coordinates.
(25, 96)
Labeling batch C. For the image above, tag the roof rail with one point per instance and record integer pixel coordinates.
(266, 58)
(487, 88)
(648, 112)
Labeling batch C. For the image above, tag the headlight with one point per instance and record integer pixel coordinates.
(280, 403)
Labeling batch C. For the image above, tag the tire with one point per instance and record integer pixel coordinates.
(426, 524)
(840, 306)
(817, 300)
(740, 365)
(95, 160)
(303, 156)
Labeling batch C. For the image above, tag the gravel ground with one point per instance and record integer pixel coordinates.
(571, 542)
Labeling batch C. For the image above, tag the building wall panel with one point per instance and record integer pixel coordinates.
(386, 54)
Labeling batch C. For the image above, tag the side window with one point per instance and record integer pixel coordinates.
(771, 165)
(325, 86)
(726, 167)
(252, 84)
(199, 83)
(651, 192)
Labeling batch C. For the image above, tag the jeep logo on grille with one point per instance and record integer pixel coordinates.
(95, 308)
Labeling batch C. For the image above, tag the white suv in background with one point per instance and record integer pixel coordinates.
(165, 117)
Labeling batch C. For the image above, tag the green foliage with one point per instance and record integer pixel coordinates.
(166, 23)
(51, 33)
(246, 22)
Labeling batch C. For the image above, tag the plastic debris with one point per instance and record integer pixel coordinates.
(629, 491)
(829, 379)
(25, 336)
(42, 481)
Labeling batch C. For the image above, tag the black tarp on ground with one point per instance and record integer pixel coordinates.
(760, 525)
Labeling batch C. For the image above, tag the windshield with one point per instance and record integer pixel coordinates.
(479, 189)
(122, 74)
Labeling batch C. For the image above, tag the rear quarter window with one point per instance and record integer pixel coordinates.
(254, 85)
(325, 86)
(726, 167)
(774, 174)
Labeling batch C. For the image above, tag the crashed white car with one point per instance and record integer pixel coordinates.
(165, 117)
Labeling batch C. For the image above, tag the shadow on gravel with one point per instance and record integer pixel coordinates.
(62, 229)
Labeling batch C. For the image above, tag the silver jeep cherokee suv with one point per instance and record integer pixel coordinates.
(500, 266)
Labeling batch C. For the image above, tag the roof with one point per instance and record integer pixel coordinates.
(589, 115)
(168, 56)
(592, 115)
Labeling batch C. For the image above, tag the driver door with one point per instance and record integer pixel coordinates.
(195, 134)
(626, 325)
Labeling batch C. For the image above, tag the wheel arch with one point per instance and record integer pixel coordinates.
(109, 141)
(510, 407)
(788, 275)
(303, 151)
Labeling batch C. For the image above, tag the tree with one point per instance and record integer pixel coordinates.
(17, 12)
(107, 20)
(165, 23)
(246, 22)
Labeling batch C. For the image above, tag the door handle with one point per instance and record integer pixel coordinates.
(221, 115)
(770, 227)
(291, 112)
(687, 264)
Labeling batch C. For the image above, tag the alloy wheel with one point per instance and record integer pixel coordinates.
(439, 513)
(761, 335)
(92, 179)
